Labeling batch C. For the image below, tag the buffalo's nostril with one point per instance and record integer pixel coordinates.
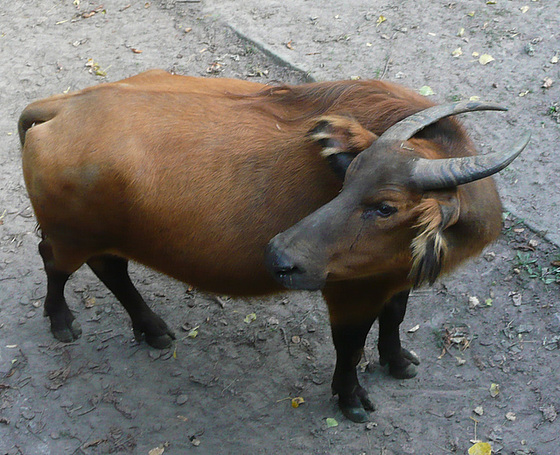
(281, 265)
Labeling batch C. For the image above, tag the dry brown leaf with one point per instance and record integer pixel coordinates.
(547, 82)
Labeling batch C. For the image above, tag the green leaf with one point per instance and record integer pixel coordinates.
(331, 422)
(481, 448)
(426, 91)
(250, 318)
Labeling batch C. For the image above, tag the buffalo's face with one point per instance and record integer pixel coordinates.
(391, 215)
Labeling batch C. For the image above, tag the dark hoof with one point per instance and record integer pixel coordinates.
(156, 334)
(355, 414)
(355, 408)
(68, 332)
(161, 341)
(404, 367)
(407, 372)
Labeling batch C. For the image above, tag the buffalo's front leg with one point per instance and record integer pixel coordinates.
(113, 272)
(353, 399)
(402, 363)
(64, 326)
(353, 308)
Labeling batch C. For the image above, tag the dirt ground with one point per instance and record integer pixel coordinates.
(488, 336)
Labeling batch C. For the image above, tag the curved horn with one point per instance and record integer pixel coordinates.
(450, 172)
(409, 126)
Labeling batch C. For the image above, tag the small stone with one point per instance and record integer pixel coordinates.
(549, 412)
(296, 339)
(182, 399)
(55, 435)
(478, 410)
(370, 425)
(449, 414)
(490, 256)
(511, 416)
(28, 414)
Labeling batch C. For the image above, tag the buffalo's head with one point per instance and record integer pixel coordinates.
(392, 212)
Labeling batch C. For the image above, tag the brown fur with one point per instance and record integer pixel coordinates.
(194, 177)
(129, 147)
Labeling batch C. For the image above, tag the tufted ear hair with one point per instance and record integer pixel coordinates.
(341, 139)
(430, 246)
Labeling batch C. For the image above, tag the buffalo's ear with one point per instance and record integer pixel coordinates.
(341, 139)
(430, 246)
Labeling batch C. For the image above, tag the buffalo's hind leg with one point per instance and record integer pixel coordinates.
(64, 326)
(402, 363)
(113, 272)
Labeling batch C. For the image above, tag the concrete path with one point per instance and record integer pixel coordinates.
(439, 45)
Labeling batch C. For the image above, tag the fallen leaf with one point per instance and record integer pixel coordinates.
(194, 332)
(474, 98)
(494, 390)
(461, 32)
(549, 412)
(289, 45)
(426, 91)
(156, 451)
(250, 318)
(90, 302)
(524, 9)
(331, 422)
(297, 401)
(136, 51)
(457, 52)
(481, 448)
(470, 14)
(473, 301)
(485, 59)
(547, 82)
(488, 302)
(475, 54)
(491, 2)
(414, 329)
(380, 20)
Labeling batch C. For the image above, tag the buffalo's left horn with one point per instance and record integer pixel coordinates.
(409, 126)
(450, 172)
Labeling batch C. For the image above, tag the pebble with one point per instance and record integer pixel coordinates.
(182, 399)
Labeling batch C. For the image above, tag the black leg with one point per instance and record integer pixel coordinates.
(64, 326)
(349, 341)
(113, 272)
(402, 363)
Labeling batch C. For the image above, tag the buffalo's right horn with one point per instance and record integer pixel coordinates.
(446, 173)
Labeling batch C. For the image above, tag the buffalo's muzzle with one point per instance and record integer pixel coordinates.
(287, 271)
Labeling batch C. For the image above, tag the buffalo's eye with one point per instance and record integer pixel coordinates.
(381, 209)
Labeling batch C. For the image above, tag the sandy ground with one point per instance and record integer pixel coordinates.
(228, 390)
